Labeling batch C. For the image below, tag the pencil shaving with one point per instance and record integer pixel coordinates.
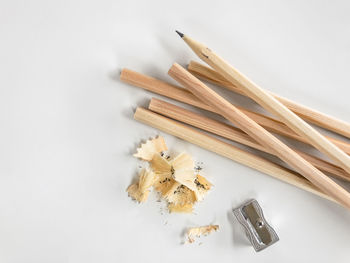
(186, 208)
(139, 191)
(180, 169)
(203, 186)
(197, 232)
(183, 170)
(151, 147)
(180, 195)
(175, 180)
(163, 170)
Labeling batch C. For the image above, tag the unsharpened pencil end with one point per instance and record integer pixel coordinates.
(179, 33)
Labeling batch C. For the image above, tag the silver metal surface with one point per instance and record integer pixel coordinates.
(259, 232)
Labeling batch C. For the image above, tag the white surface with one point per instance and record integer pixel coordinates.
(67, 131)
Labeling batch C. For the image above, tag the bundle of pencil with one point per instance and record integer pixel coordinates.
(251, 129)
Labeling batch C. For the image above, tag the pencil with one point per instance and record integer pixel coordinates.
(258, 133)
(177, 93)
(234, 134)
(227, 150)
(268, 102)
(313, 116)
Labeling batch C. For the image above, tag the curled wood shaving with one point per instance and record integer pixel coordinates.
(163, 171)
(203, 186)
(181, 195)
(174, 179)
(186, 208)
(140, 190)
(150, 147)
(183, 170)
(194, 232)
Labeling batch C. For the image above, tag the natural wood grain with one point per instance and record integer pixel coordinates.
(313, 116)
(258, 133)
(234, 134)
(269, 103)
(227, 150)
(182, 95)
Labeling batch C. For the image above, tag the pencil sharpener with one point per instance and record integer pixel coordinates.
(260, 234)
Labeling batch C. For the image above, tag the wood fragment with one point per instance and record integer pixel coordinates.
(196, 232)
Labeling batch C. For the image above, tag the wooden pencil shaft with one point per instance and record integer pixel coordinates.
(224, 149)
(313, 116)
(234, 134)
(258, 133)
(270, 103)
(182, 95)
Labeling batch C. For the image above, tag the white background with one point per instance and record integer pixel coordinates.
(67, 132)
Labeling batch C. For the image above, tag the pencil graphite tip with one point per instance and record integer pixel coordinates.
(179, 33)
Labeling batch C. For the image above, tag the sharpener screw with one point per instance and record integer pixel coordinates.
(259, 223)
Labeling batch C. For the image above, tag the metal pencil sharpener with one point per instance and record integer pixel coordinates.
(259, 232)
